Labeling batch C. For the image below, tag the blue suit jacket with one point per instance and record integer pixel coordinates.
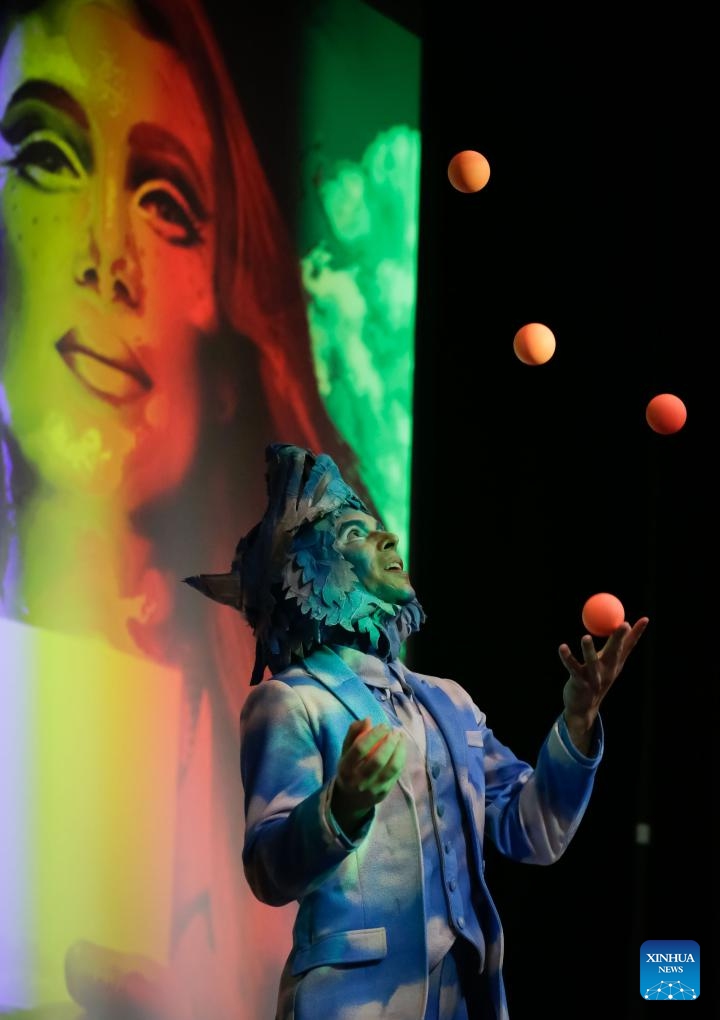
(359, 949)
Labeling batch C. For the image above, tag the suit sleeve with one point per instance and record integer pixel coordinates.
(531, 814)
(290, 843)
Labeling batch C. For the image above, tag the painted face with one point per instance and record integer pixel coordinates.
(107, 250)
(373, 554)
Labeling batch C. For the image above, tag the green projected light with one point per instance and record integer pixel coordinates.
(359, 231)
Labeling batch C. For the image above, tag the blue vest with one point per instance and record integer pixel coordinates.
(449, 907)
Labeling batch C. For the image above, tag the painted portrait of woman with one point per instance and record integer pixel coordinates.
(153, 339)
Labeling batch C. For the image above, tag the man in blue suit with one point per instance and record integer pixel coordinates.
(370, 789)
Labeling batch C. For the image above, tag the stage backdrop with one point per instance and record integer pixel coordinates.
(208, 238)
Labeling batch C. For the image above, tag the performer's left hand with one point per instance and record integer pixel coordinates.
(589, 680)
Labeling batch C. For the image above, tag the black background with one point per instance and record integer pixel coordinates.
(535, 487)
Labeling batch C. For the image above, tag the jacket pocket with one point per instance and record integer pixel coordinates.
(360, 946)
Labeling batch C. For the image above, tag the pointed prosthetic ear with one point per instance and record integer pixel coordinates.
(223, 588)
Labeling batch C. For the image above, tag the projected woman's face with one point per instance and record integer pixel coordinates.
(107, 250)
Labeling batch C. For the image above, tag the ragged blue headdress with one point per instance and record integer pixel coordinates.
(290, 583)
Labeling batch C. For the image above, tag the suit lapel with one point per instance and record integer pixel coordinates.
(331, 671)
(337, 677)
(445, 714)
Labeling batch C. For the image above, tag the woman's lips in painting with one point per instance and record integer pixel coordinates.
(115, 376)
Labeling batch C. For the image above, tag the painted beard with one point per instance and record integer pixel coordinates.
(331, 606)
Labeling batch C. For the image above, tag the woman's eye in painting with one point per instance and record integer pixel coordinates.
(48, 162)
(168, 213)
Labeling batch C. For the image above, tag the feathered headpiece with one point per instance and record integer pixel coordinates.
(288, 580)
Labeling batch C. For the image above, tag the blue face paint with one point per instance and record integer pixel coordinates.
(291, 582)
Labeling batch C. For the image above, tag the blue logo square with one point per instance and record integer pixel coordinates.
(670, 970)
